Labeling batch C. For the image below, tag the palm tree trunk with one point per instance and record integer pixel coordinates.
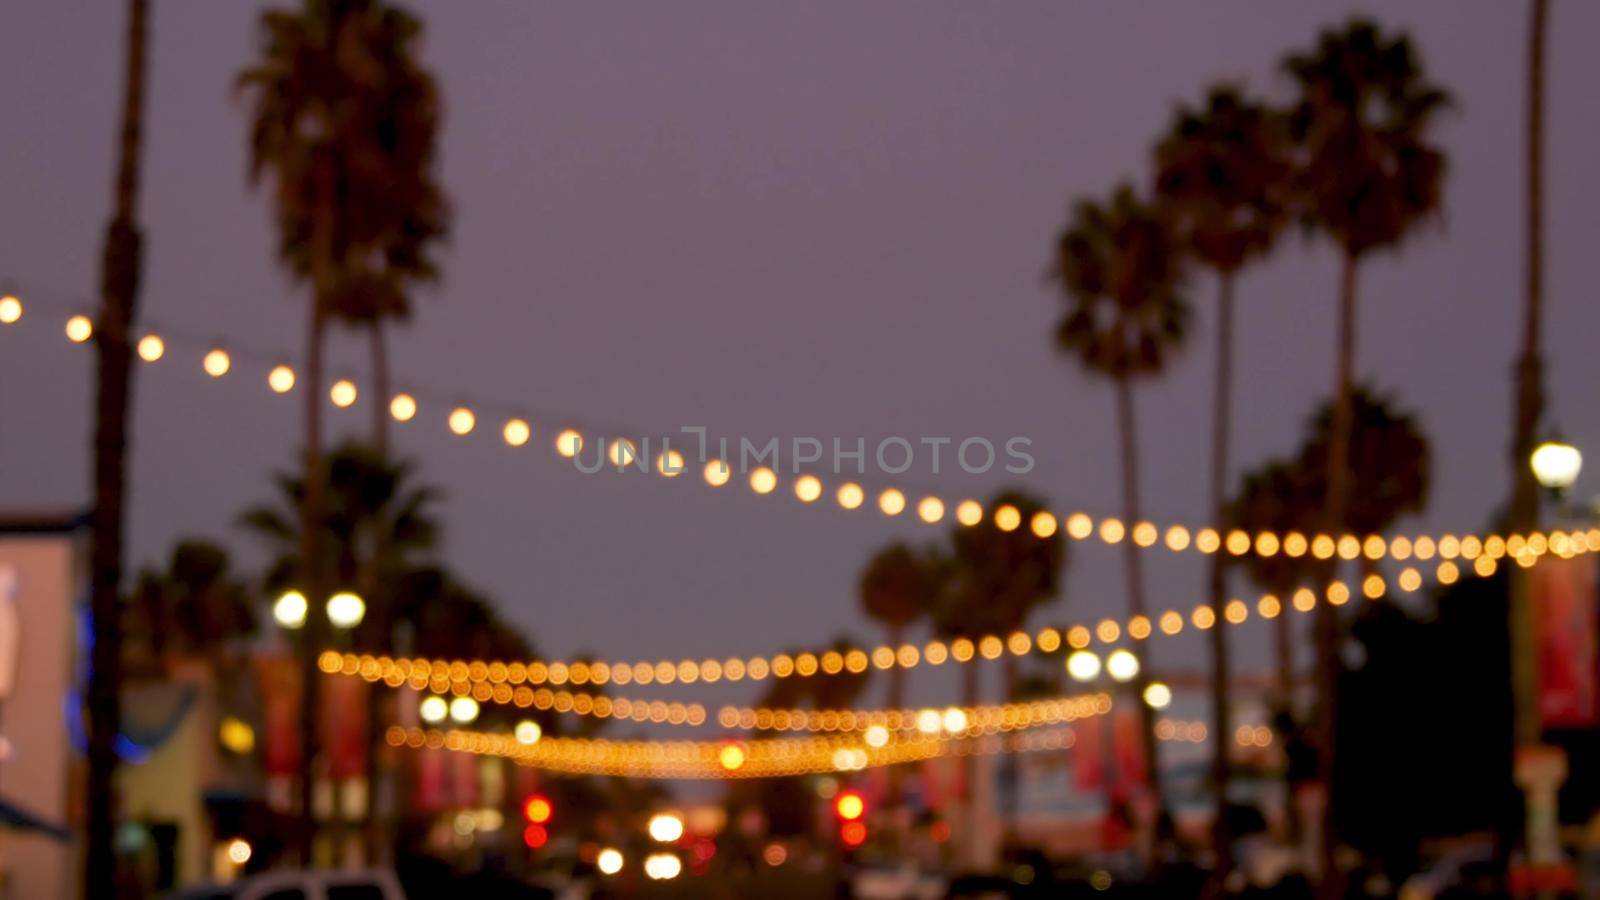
(113, 383)
(1333, 523)
(895, 700)
(1127, 429)
(314, 634)
(1222, 411)
(1529, 400)
(378, 603)
(380, 388)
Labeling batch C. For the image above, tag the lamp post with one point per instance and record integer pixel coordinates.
(1539, 768)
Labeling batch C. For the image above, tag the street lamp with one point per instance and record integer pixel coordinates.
(1158, 695)
(345, 610)
(1122, 665)
(433, 709)
(1556, 464)
(1083, 665)
(289, 610)
(463, 710)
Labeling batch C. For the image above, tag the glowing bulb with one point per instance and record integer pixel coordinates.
(462, 420)
(10, 309)
(1556, 464)
(1157, 695)
(930, 509)
(929, 721)
(969, 512)
(528, 732)
(343, 393)
(670, 464)
(621, 452)
(1007, 518)
(717, 473)
(1083, 665)
(891, 502)
(850, 495)
(876, 736)
(954, 720)
(403, 407)
(665, 827)
(1043, 524)
(1122, 665)
(79, 329)
(516, 432)
(763, 480)
(463, 710)
(152, 347)
(217, 363)
(808, 488)
(568, 443)
(609, 862)
(239, 851)
(662, 866)
(433, 709)
(281, 379)
(289, 610)
(345, 610)
(731, 757)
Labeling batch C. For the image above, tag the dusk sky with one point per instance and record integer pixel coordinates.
(827, 220)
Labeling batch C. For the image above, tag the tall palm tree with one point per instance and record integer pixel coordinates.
(377, 526)
(1390, 463)
(1007, 574)
(1120, 268)
(1223, 171)
(1529, 405)
(1279, 496)
(1367, 175)
(119, 288)
(326, 124)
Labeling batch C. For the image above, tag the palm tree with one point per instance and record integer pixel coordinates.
(325, 124)
(376, 528)
(195, 606)
(1390, 467)
(1367, 176)
(1120, 269)
(1279, 496)
(1008, 574)
(1529, 388)
(1222, 171)
(897, 588)
(119, 286)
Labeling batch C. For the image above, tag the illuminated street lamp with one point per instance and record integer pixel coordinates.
(1556, 464)
(1083, 665)
(289, 610)
(666, 827)
(1122, 665)
(346, 610)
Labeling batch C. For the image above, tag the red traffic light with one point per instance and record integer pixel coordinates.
(850, 805)
(535, 836)
(853, 834)
(537, 809)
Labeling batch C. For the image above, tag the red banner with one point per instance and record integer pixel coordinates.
(344, 726)
(1562, 593)
(279, 680)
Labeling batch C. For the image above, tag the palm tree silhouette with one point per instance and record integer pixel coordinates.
(119, 293)
(1120, 269)
(338, 123)
(1222, 171)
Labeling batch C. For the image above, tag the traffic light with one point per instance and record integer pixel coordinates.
(537, 809)
(850, 806)
(853, 834)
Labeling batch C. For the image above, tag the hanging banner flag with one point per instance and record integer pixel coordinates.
(344, 726)
(1088, 754)
(1127, 728)
(1562, 592)
(279, 681)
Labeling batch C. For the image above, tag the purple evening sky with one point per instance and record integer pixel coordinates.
(770, 219)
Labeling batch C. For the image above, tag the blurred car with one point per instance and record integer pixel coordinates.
(895, 882)
(289, 884)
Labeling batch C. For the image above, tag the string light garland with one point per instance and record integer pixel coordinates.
(710, 760)
(517, 430)
(951, 719)
(502, 678)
